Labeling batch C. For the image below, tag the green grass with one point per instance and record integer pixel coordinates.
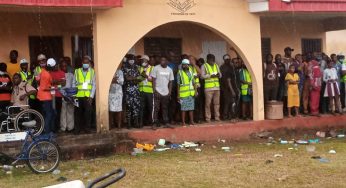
(244, 166)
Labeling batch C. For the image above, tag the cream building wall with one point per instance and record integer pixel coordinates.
(336, 42)
(16, 27)
(115, 34)
(285, 32)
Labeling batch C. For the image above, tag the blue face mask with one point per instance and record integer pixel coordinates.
(86, 66)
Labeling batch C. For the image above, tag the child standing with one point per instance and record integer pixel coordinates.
(292, 80)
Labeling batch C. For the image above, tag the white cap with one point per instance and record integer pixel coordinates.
(51, 62)
(41, 57)
(23, 61)
(145, 57)
(185, 62)
(226, 56)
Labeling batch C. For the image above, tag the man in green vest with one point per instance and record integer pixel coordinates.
(246, 92)
(146, 89)
(211, 75)
(85, 81)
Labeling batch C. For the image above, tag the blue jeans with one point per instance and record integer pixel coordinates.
(48, 115)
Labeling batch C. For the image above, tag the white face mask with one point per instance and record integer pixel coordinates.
(2, 73)
(131, 62)
(144, 64)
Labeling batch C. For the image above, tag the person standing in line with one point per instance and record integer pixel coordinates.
(59, 81)
(341, 60)
(146, 89)
(246, 92)
(132, 94)
(13, 66)
(85, 81)
(281, 76)
(186, 91)
(315, 85)
(199, 112)
(45, 96)
(292, 79)
(33, 101)
(228, 93)
(271, 81)
(196, 71)
(67, 108)
(116, 97)
(332, 91)
(211, 75)
(162, 86)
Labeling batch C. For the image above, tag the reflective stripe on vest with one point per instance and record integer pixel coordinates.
(146, 86)
(247, 77)
(24, 77)
(37, 71)
(86, 81)
(194, 71)
(186, 88)
(211, 82)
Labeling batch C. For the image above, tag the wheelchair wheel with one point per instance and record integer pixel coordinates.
(43, 156)
(29, 120)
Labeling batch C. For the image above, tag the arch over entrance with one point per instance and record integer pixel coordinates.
(115, 34)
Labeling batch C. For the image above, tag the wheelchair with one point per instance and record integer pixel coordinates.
(21, 118)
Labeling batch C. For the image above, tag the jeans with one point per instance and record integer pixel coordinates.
(48, 115)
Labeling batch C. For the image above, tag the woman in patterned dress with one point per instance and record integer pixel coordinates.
(132, 94)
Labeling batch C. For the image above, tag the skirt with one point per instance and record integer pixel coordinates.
(331, 89)
(115, 102)
(187, 104)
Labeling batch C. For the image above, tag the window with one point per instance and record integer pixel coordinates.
(163, 46)
(311, 45)
(52, 47)
(81, 46)
(266, 47)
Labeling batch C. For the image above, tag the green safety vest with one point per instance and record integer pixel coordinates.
(211, 82)
(146, 86)
(24, 77)
(84, 81)
(37, 71)
(343, 77)
(245, 87)
(194, 72)
(186, 88)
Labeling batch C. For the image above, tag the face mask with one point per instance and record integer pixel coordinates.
(2, 73)
(86, 66)
(341, 60)
(42, 65)
(131, 62)
(144, 64)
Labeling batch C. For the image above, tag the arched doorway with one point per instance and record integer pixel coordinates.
(173, 40)
(114, 37)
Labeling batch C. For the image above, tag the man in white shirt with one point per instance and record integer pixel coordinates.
(162, 77)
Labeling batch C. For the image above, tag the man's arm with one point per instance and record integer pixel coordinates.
(170, 88)
(230, 86)
(93, 87)
(204, 75)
